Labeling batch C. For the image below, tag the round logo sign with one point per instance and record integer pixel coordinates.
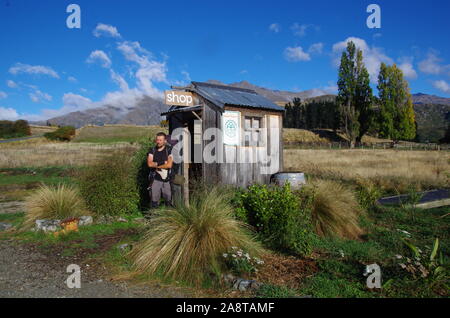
(230, 128)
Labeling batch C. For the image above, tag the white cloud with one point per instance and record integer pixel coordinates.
(296, 54)
(300, 29)
(3, 95)
(11, 84)
(8, 113)
(316, 48)
(72, 79)
(106, 30)
(38, 96)
(149, 70)
(432, 65)
(373, 56)
(275, 27)
(407, 68)
(443, 86)
(19, 68)
(119, 80)
(101, 57)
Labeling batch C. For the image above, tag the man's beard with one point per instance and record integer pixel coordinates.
(159, 147)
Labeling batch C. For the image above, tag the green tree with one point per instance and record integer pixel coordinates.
(396, 115)
(355, 95)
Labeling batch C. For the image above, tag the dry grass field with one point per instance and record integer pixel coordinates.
(389, 169)
(115, 133)
(40, 130)
(39, 152)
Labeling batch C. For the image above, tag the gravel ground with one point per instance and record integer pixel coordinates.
(27, 273)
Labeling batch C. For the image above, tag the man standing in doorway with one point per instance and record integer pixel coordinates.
(160, 161)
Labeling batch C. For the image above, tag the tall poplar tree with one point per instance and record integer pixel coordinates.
(396, 116)
(355, 95)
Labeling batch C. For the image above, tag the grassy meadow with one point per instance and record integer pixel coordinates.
(333, 269)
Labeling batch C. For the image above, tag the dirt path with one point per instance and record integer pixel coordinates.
(25, 272)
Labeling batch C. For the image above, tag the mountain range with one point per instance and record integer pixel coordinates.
(432, 112)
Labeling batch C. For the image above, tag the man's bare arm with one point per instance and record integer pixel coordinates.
(150, 162)
(168, 164)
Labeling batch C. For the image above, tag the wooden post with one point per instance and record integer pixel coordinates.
(186, 160)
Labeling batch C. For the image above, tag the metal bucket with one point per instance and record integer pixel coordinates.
(296, 179)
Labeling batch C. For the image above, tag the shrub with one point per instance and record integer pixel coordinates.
(283, 221)
(240, 262)
(52, 203)
(14, 129)
(187, 242)
(62, 134)
(141, 171)
(367, 192)
(335, 210)
(109, 186)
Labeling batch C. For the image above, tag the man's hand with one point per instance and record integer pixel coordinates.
(153, 165)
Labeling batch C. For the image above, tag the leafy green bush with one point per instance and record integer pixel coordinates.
(141, 171)
(62, 134)
(241, 262)
(14, 129)
(109, 186)
(283, 221)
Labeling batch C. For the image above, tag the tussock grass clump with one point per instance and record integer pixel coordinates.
(335, 210)
(187, 243)
(60, 202)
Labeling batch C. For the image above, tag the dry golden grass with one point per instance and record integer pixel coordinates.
(39, 152)
(112, 133)
(388, 169)
(292, 135)
(187, 243)
(54, 203)
(335, 210)
(40, 130)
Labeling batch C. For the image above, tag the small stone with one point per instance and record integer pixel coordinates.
(229, 278)
(5, 226)
(124, 247)
(85, 220)
(121, 219)
(48, 225)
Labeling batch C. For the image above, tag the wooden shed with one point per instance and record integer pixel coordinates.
(232, 135)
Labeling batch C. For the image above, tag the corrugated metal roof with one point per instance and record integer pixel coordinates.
(222, 95)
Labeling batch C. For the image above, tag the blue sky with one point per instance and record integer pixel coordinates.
(126, 49)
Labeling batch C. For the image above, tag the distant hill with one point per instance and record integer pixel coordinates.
(145, 112)
(420, 98)
(432, 112)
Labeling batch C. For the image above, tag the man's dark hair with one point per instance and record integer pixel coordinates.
(161, 134)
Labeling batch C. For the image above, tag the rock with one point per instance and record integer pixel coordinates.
(124, 247)
(48, 225)
(85, 220)
(121, 219)
(5, 226)
(244, 284)
(229, 278)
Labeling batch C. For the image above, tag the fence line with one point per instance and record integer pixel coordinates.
(382, 145)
